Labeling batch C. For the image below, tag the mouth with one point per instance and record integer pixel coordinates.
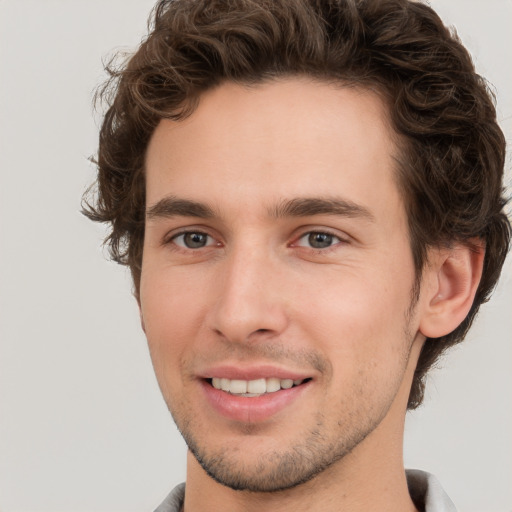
(253, 394)
(254, 388)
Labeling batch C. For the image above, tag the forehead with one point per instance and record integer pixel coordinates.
(255, 146)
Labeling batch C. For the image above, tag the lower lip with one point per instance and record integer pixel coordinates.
(251, 409)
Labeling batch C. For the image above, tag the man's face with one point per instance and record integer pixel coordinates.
(276, 252)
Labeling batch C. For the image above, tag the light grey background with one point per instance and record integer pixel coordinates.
(82, 424)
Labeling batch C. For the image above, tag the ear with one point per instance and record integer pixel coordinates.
(452, 277)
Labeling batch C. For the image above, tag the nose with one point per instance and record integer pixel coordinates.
(250, 303)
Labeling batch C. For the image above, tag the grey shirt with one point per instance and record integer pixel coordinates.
(425, 490)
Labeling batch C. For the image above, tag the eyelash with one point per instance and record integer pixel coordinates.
(173, 238)
(322, 250)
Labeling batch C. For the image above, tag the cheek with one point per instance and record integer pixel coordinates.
(360, 330)
(172, 316)
(359, 322)
(168, 299)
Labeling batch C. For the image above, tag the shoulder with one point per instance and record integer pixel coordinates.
(174, 500)
(427, 492)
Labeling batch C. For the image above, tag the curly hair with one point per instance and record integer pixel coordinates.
(452, 150)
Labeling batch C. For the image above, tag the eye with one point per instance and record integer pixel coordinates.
(318, 240)
(193, 240)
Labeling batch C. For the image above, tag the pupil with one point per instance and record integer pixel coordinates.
(195, 240)
(320, 240)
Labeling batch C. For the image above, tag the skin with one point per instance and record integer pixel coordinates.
(257, 293)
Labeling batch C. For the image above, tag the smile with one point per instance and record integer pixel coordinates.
(254, 388)
(257, 398)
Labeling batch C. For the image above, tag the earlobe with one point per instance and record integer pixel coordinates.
(453, 275)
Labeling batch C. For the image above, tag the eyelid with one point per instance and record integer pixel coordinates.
(342, 237)
(183, 246)
(170, 237)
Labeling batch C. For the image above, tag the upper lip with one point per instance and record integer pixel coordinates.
(251, 372)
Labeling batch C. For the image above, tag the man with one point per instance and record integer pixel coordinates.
(308, 195)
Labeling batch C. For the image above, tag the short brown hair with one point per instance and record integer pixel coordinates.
(453, 151)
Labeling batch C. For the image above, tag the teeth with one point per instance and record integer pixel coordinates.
(253, 387)
(273, 385)
(238, 386)
(286, 383)
(257, 386)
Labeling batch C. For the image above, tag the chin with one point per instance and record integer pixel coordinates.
(271, 469)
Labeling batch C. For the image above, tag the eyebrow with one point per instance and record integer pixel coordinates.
(308, 206)
(172, 206)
